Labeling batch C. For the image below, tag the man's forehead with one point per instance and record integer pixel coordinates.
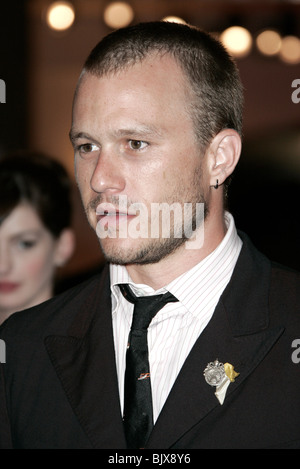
(151, 61)
(155, 86)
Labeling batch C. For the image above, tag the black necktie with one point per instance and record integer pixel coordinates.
(138, 416)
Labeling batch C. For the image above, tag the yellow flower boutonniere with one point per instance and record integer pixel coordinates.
(220, 375)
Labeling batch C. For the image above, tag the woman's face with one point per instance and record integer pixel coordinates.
(28, 257)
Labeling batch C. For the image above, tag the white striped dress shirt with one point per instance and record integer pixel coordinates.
(175, 328)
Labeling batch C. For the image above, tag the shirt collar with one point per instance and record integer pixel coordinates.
(190, 287)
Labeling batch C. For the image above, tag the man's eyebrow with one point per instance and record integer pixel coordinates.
(74, 135)
(139, 131)
(143, 130)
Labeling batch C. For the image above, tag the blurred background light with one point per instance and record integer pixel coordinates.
(237, 40)
(268, 42)
(118, 14)
(290, 50)
(60, 16)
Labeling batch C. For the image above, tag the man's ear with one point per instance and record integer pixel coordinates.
(65, 247)
(223, 155)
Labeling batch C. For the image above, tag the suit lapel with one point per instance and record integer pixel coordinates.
(191, 398)
(84, 361)
(238, 333)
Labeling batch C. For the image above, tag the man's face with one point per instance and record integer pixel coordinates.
(135, 148)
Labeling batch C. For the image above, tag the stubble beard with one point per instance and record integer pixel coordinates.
(153, 250)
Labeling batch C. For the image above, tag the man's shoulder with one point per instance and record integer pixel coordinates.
(259, 265)
(267, 284)
(284, 296)
(285, 278)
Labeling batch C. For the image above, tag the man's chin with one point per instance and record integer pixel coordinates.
(125, 252)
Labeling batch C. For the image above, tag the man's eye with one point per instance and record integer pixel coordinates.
(87, 148)
(137, 144)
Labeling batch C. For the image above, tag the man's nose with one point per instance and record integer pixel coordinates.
(107, 175)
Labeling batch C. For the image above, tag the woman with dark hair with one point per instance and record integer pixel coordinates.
(35, 229)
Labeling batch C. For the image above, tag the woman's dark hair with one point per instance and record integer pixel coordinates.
(40, 181)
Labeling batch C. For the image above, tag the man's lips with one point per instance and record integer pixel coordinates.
(8, 287)
(107, 214)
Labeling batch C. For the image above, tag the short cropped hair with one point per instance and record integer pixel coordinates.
(215, 86)
(40, 181)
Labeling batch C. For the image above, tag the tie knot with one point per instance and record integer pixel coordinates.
(145, 307)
